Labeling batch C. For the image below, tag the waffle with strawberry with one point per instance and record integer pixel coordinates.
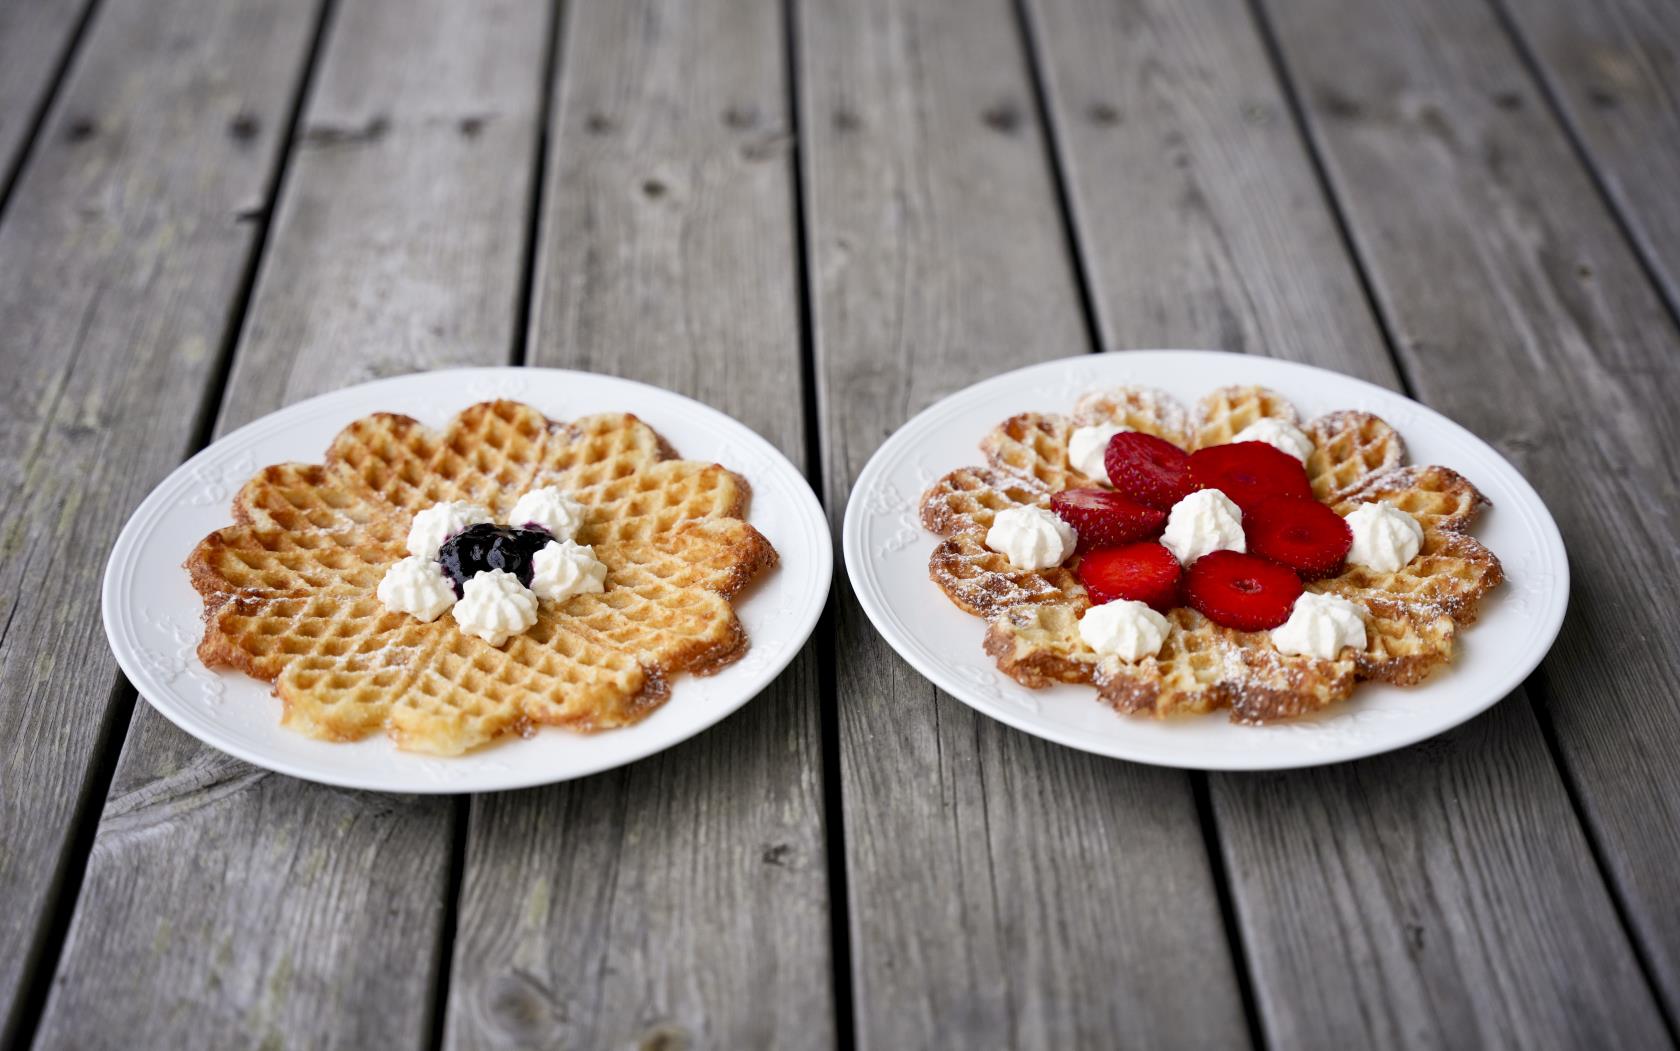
(1220, 606)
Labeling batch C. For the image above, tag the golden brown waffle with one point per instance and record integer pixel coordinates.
(1225, 412)
(1034, 445)
(1033, 615)
(1140, 408)
(1348, 446)
(289, 590)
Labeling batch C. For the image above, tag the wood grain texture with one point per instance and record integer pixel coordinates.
(1003, 891)
(223, 905)
(681, 901)
(120, 256)
(1519, 309)
(35, 38)
(1200, 221)
(1375, 896)
(1614, 68)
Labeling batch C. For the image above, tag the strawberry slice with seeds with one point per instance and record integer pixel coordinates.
(1145, 572)
(1249, 473)
(1104, 519)
(1241, 591)
(1302, 534)
(1150, 470)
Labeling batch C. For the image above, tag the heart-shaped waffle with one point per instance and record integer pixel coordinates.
(289, 590)
(1033, 615)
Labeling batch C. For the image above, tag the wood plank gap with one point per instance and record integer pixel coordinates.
(1206, 819)
(823, 645)
(72, 870)
(119, 712)
(1209, 820)
(1539, 693)
(44, 107)
(1535, 689)
(1298, 116)
(460, 807)
(1554, 105)
(204, 424)
(534, 204)
(460, 815)
(1058, 179)
(834, 826)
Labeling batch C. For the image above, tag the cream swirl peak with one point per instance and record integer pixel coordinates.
(1205, 521)
(1385, 538)
(1031, 537)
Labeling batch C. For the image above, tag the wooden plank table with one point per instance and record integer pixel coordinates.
(821, 217)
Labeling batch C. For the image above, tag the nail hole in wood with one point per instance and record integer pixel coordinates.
(244, 127)
(1338, 105)
(1004, 117)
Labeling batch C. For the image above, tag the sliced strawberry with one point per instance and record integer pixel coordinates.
(1104, 519)
(1150, 470)
(1248, 473)
(1241, 591)
(1302, 534)
(1145, 572)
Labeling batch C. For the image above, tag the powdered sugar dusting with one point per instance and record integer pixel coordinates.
(1204, 666)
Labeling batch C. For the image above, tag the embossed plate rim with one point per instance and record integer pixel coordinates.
(885, 552)
(151, 612)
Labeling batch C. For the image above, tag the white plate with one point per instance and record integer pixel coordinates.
(886, 552)
(152, 612)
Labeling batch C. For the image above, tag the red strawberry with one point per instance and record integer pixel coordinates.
(1302, 534)
(1249, 473)
(1103, 518)
(1145, 572)
(1150, 470)
(1241, 591)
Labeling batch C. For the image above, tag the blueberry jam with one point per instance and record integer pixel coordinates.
(487, 546)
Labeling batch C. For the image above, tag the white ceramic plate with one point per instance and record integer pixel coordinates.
(152, 612)
(886, 552)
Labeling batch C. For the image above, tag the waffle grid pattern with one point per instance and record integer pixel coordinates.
(289, 589)
(1033, 616)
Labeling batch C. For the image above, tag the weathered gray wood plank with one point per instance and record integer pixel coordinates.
(1199, 218)
(1004, 892)
(1614, 67)
(1520, 309)
(121, 253)
(223, 905)
(35, 36)
(681, 901)
(1203, 224)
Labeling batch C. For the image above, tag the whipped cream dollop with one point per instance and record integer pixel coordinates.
(494, 606)
(1319, 626)
(1384, 537)
(564, 568)
(1280, 435)
(1126, 629)
(549, 509)
(416, 586)
(439, 522)
(1031, 537)
(1087, 446)
(1203, 522)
